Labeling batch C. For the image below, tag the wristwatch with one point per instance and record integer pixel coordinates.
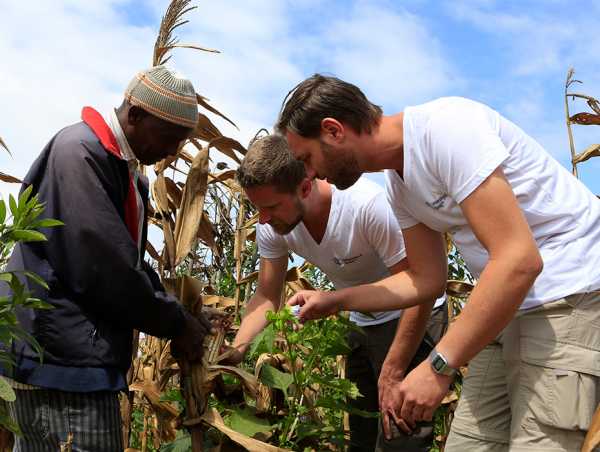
(439, 363)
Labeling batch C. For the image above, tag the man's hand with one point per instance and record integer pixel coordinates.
(390, 398)
(422, 392)
(314, 304)
(189, 345)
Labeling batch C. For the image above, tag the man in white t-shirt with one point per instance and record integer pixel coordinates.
(354, 238)
(526, 228)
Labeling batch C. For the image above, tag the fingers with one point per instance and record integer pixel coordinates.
(385, 422)
(401, 424)
(296, 299)
(406, 413)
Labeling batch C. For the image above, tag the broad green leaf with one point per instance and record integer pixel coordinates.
(2, 211)
(245, 422)
(6, 391)
(37, 279)
(46, 223)
(274, 378)
(7, 422)
(263, 342)
(25, 235)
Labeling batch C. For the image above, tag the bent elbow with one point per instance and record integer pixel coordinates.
(531, 266)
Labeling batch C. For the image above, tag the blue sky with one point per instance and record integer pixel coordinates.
(61, 55)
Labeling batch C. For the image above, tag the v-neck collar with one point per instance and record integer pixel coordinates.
(332, 209)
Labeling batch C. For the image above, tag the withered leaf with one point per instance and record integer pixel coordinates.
(192, 204)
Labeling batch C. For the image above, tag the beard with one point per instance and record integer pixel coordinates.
(342, 169)
(282, 227)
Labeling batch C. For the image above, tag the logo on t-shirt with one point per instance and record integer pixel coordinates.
(438, 203)
(342, 262)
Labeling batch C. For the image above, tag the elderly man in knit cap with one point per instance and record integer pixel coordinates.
(100, 287)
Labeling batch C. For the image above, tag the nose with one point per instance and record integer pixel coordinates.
(263, 217)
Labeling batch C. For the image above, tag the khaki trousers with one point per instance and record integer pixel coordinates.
(537, 386)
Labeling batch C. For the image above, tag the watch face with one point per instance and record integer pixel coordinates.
(438, 363)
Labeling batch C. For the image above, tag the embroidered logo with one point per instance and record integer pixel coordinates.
(342, 262)
(438, 203)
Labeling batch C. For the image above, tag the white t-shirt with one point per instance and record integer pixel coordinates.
(361, 241)
(451, 145)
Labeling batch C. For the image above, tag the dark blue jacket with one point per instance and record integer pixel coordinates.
(98, 293)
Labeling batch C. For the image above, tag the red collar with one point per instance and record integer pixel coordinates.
(96, 122)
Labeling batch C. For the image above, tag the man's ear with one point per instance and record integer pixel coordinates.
(332, 130)
(306, 187)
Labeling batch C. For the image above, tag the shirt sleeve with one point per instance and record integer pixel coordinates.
(465, 147)
(270, 244)
(394, 199)
(382, 231)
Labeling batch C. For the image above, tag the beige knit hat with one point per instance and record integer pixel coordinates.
(166, 94)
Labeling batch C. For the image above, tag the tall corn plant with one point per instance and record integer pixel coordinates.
(592, 439)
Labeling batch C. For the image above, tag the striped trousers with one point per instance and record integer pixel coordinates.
(49, 419)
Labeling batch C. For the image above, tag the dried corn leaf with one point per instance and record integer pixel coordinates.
(152, 251)
(170, 21)
(161, 166)
(192, 204)
(249, 381)
(248, 278)
(251, 235)
(228, 146)
(169, 249)
(591, 151)
(592, 439)
(205, 129)
(174, 193)
(217, 301)
(206, 233)
(460, 289)
(223, 176)
(8, 178)
(585, 119)
(252, 221)
(152, 394)
(160, 194)
(213, 418)
(189, 290)
(203, 101)
(3, 144)
(189, 46)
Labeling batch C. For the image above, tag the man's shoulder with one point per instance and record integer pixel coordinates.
(76, 143)
(359, 196)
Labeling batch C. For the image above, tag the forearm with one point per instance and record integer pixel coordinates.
(409, 335)
(491, 306)
(254, 321)
(399, 291)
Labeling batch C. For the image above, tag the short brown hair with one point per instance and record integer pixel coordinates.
(269, 161)
(319, 97)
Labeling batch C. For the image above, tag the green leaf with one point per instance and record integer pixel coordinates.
(25, 235)
(7, 276)
(263, 342)
(2, 211)
(6, 391)
(37, 279)
(274, 378)
(36, 303)
(182, 443)
(46, 223)
(24, 197)
(245, 422)
(12, 203)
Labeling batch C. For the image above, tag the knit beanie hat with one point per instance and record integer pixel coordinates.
(165, 94)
